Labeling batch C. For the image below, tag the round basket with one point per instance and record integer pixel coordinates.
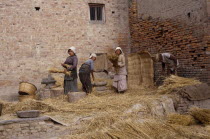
(27, 88)
(26, 97)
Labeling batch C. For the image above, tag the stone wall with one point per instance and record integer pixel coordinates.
(35, 35)
(178, 27)
(32, 129)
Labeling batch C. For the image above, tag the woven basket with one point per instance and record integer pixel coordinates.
(26, 97)
(26, 88)
(140, 70)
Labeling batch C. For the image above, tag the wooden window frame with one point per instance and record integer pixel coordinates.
(103, 12)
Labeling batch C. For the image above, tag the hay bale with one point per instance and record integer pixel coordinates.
(179, 119)
(173, 83)
(202, 115)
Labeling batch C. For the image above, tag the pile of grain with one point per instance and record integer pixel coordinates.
(174, 83)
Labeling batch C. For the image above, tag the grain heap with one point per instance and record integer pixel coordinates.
(174, 82)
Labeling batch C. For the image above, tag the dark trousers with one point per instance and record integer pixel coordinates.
(86, 82)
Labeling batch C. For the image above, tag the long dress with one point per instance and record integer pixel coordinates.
(70, 82)
(120, 81)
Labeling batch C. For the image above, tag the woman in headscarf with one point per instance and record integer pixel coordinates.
(84, 74)
(70, 81)
(120, 81)
(169, 62)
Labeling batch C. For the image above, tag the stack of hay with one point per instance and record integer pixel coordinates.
(195, 116)
(27, 91)
(173, 83)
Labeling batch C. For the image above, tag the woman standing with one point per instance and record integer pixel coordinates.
(84, 73)
(120, 81)
(70, 81)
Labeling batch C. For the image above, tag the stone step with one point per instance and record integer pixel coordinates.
(75, 96)
(28, 114)
(101, 88)
(100, 84)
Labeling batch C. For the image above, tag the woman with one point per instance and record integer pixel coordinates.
(120, 82)
(168, 61)
(70, 81)
(84, 73)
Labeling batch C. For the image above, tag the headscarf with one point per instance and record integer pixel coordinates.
(73, 49)
(93, 55)
(119, 48)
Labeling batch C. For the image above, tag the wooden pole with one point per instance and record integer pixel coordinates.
(1, 107)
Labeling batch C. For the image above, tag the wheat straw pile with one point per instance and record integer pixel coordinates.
(201, 115)
(175, 82)
(148, 129)
(179, 119)
(104, 116)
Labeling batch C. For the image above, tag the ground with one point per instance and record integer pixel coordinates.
(138, 113)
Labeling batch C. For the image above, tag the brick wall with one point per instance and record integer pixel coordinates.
(163, 27)
(33, 40)
(31, 129)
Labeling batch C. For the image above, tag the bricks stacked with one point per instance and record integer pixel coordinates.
(26, 130)
(185, 41)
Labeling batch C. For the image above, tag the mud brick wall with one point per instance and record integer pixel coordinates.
(181, 30)
(33, 40)
(35, 35)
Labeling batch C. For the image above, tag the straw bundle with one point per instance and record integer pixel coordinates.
(202, 115)
(179, 119)
(113, 58)
(55, 70)
(29, 104)
(174, 82)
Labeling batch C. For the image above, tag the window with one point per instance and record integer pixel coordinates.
(96, 12)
